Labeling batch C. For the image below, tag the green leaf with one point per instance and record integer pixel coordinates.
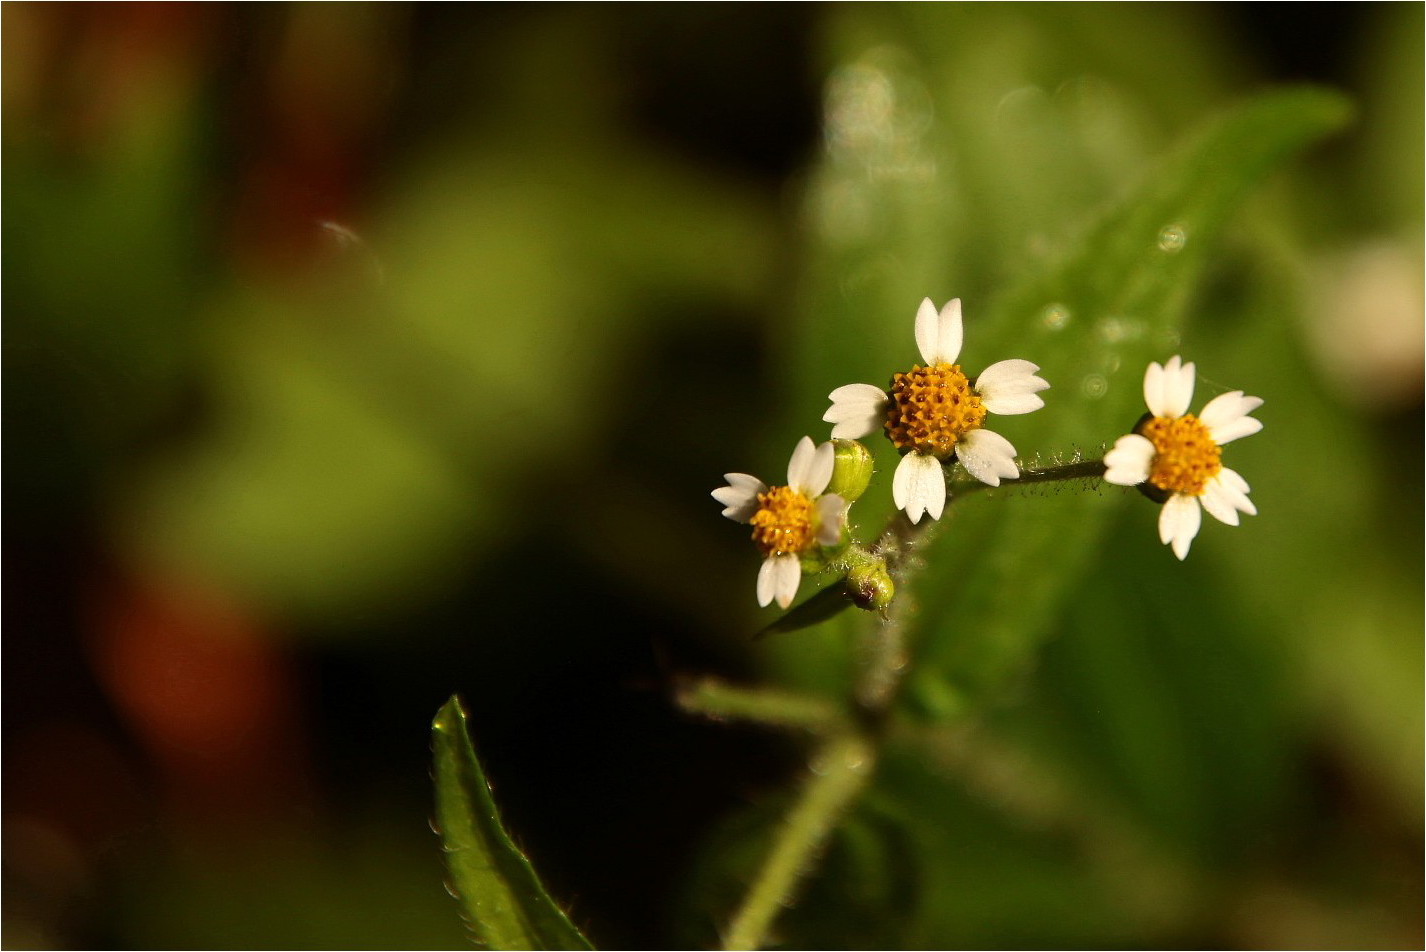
(994, 585)
(828, 603)
(505, 904)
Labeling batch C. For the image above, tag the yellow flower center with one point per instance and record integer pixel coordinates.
(931, 408)
(783, 523)
(1186, 457)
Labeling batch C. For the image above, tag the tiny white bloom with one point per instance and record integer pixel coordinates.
(1178, 454)
(787, 520)
(934, 414)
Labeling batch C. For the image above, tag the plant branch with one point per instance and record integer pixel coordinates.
(839, 770)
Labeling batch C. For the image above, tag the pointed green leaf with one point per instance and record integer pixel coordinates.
(829, 602)
(505, 904)
(1093, 323)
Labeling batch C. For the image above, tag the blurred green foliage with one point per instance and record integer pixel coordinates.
(443, 416)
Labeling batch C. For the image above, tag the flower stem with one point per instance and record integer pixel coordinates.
(844, 763)
(713, 698)
(1081, 469)
(840, 769)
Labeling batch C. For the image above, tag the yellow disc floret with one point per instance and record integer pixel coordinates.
(1186, 457)
(931, 408)
(783, 523)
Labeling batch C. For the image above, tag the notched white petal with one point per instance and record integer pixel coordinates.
(823, 461)
(1218, 503)
(1179, 521)
(857, 393)
(767, 581)
(857, 410)
(948, 343)
(919, 486)
(1236, 489)
(740, 496)
(928, 331)
(1129, 462)
(787, 573)
(1239, 428)
(855, 429)
(1154, 388)
(1008, 387)
(799, 467)
(1178, 389)
(987, 456)
(831, 519)
(1226, 417)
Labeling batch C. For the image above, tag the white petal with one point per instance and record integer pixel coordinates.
(831, 517)
(766, 581)
(1154, 388)
(1236, 489)
(987, 456)
(919, 486)
(1232, 477)
(857, 393)
(1178, 389)
(823, 461)
(1009, 387)
(1227, 407)
(1239, 428)
(928, 331)
(799, 467)
(1226, 417)
(740, 496)
(787, 573)
(857, 410)
(1129, 462)
(1178, 523)
(948, 344)
(1219, 504)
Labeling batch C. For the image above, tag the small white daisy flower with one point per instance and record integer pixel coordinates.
(787, 520)
(934, 414)
(1176, 454)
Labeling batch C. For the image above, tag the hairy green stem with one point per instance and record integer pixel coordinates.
(713, 698)
(844, 764)
(839, 771)
(1083, 469)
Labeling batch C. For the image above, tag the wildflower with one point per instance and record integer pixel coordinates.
(788, 521)
(1177, 455)
(934, 414)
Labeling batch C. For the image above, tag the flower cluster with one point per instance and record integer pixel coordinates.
(934, 415)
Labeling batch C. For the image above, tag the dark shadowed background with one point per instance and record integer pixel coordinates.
(359, 355)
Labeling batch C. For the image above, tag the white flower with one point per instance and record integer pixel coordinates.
(1180, 455)
(787, 520)
(934, 414)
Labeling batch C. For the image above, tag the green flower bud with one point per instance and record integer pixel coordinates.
(870, 587)
(852, 472)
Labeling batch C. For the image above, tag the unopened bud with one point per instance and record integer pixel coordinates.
(870, 587)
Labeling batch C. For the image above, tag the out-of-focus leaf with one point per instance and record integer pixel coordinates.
(505, 904)
(1093, 325)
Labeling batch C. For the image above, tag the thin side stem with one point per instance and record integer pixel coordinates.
(1084, 469)
(713, 698)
